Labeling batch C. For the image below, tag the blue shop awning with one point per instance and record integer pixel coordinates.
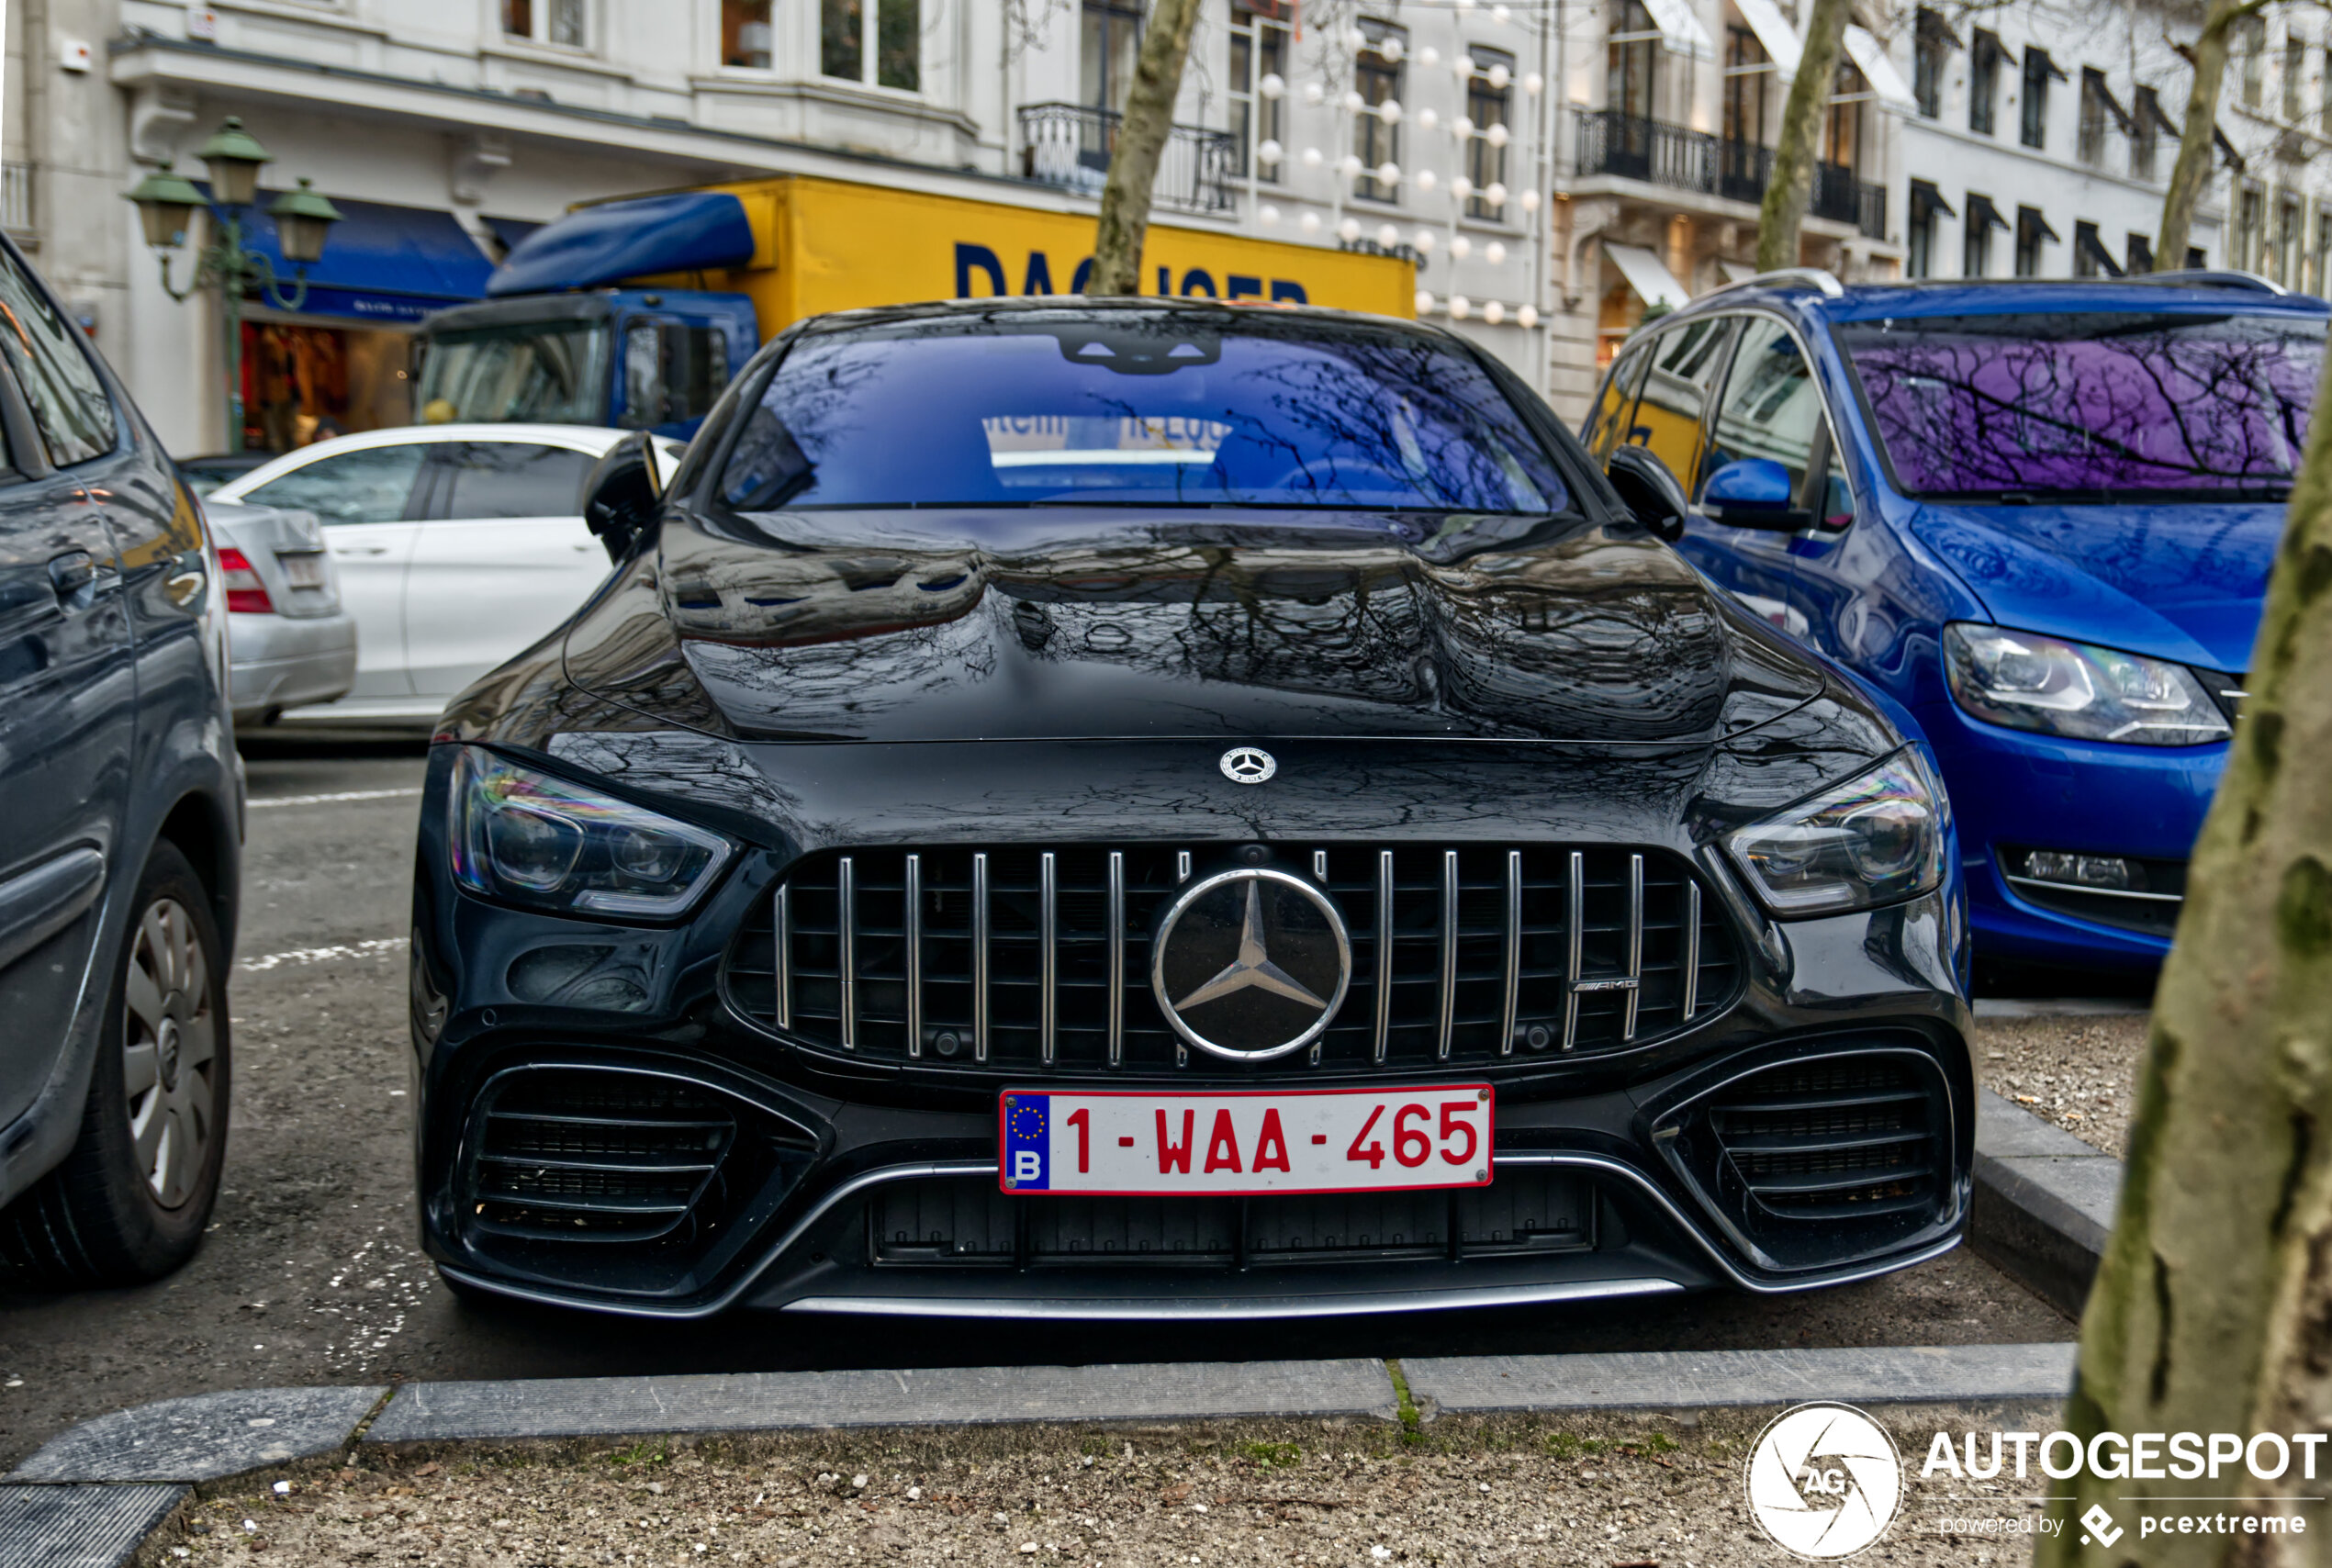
(688, 232)
(381, 262)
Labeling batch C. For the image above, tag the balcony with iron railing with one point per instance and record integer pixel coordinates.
(1633, 146)
(1070, 145)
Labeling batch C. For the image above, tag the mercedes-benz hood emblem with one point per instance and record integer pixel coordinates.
(1249, 764)
(1251, 964)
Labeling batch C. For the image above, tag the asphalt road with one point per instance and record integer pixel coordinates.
(310, 1274)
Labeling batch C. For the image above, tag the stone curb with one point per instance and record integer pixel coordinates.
(1664, 1380)
(2043, 1203)
(2043, 1207)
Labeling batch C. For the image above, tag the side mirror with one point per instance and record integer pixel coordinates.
(621, 497)
(1753, 492)
(1650, 490)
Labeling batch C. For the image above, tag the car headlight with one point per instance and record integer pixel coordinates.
(529, 838)
(2030, 682)
(1874, 839)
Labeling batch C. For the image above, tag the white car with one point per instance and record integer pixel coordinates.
(455, 547)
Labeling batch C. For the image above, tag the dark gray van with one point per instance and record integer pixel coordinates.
(120, 821)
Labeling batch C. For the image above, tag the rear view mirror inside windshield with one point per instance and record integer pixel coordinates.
(1139, 349)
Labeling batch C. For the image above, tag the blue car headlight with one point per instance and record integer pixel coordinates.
(529, 838)
(1876, 838)
(2030, 682)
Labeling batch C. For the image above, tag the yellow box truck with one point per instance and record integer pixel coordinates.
(635, 313)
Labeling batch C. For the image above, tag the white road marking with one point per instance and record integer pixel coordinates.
(333, 800)
(372, 948)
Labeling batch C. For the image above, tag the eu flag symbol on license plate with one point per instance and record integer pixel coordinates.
(1028, 1142)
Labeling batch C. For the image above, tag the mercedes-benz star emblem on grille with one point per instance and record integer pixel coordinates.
(1251, 964)
(1249, 764)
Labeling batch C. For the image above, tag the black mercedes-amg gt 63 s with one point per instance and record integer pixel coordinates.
(1151, 810)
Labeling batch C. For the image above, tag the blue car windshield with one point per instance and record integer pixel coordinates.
(2098, 406)
(1097, 409)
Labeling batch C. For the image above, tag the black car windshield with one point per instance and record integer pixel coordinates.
(2119, 405)
(1092, 408)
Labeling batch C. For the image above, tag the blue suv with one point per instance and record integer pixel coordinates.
(2040, 515)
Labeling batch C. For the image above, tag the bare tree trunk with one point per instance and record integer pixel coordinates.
(1141, 140)
(2191, 175)
(2212, 1310)
(1792, 188)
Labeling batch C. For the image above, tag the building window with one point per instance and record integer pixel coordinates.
(2100, 109)
(2146, 133)
(2251, 43)
(2091, 258)
(2250, 211)
(2137, 256)
(1932, 42)
(1630, 59)
(1975, 242)
(1259, 48)
(1744, 162)
(2324, 111)
(877, 43)
(1112, 39)
(2287, 242)
(2295, 68)
(1984, 54)
(2032, 232)
(1927, 205)
(1485, 105)
(2033, 127)
(1376, 72)
(745, 33)
(1842, 126)
(2322, 266)
(557, 22)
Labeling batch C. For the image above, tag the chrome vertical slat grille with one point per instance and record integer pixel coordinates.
(1014, 959)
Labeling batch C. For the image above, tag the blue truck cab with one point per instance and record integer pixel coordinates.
(650, 359)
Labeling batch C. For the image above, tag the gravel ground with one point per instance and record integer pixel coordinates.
(1628, 1494)
(2079, 1072)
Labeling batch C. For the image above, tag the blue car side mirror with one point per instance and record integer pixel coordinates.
(1753, 492)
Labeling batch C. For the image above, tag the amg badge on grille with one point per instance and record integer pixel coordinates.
(1251, 964)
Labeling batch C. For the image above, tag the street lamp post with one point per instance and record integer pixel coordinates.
(166, 203)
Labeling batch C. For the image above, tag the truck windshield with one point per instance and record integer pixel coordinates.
(2090, 406)
(1088, 409)
(536, 372)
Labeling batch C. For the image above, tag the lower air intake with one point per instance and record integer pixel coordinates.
(597, 1155)
(1823, 1160)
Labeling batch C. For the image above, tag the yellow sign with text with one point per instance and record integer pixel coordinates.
(823, 245)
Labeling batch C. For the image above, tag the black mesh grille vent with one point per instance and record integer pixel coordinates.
(592, 1155)
(1015, 958)
(1839, 1139)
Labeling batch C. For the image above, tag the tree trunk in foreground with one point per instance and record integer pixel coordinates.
(1790, 189)
(1141, 140)
(2212, 1310)
(2191, 175)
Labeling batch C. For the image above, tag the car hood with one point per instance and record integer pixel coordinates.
(1055, 624)
(2175, 582)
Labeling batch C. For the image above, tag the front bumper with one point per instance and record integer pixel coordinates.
(282, 660)
(2011, 791)
(499, 1011)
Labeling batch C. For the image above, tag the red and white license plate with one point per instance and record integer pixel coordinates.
(1131, 1143)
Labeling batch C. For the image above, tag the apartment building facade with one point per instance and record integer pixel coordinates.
(446, 129)
(2044, 134)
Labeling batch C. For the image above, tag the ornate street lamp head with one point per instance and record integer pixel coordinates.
(166, 202)
(233, 156)
(302, 217)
